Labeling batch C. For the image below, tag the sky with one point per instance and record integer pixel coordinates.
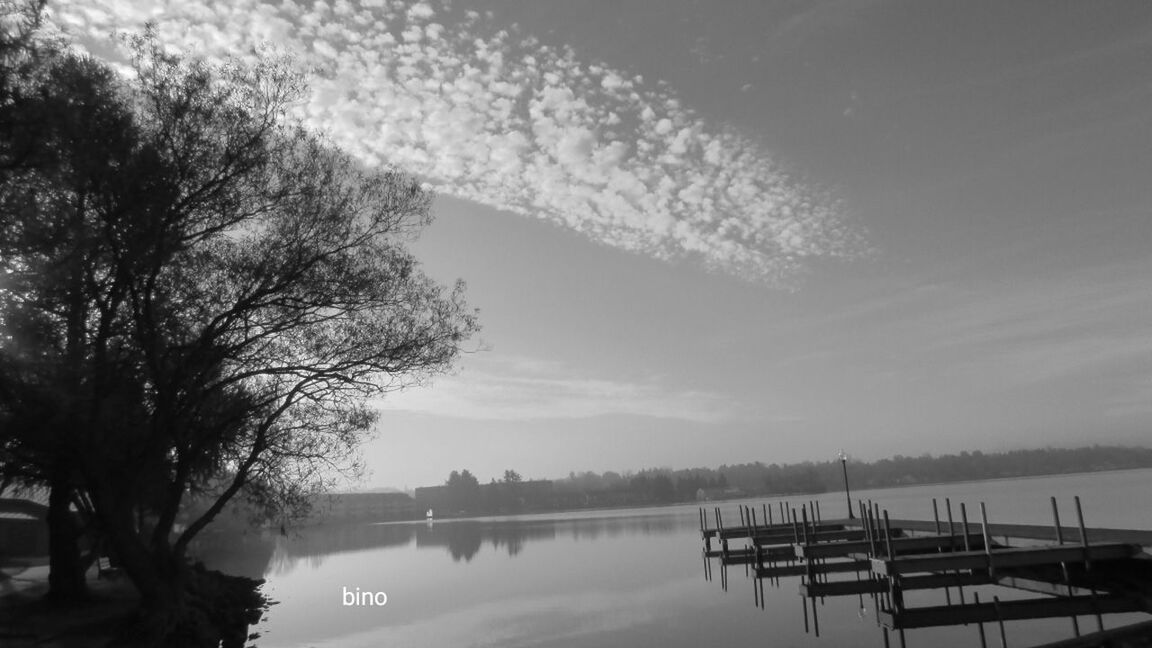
(718, 232)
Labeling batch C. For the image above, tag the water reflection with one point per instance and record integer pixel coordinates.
(604, 579)
(462, 539)
(247, 554)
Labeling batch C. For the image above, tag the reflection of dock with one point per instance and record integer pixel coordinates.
(1079, 571)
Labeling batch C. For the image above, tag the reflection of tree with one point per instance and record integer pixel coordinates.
(314, 543)
(462, 538)
(240, 553)
(513, 537)
(590, 529)
(465, 543)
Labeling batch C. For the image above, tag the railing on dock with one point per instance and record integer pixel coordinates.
(1079, 571)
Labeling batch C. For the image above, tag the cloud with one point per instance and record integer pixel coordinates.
(512, 389)
(491, 116)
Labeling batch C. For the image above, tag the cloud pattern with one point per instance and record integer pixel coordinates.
(496, 117)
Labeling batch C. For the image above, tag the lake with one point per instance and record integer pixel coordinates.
(624, 577)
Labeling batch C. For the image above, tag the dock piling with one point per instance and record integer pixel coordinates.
(1000, 621)
(1083, 534)
(987, 539)
(1056, 522)
(980, 624)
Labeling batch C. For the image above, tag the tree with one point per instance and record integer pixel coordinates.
(512, 477)
(217, 292)
(55, 109)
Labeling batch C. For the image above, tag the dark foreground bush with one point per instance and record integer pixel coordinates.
(216, 610)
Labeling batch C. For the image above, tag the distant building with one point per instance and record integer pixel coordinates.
(435, 498)
(23, 528)
(496, 497)
(365, 507)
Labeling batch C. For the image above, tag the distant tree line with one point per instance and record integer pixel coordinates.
(463, 493)
(758, 478)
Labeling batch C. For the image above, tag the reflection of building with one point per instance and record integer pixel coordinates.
(365, 507)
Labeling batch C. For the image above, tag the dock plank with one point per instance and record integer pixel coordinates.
(1005, 557)
(918, 544)
(1041, 608)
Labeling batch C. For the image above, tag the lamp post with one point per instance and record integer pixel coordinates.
(847, 494)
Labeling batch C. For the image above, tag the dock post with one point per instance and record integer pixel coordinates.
(804, 513)
(755, 593)
(936, 515)
(1064, 565)
(967, 544)
(795, 527)
(964, 527)
(874, 520)
(819, 517)
(951, 527)
(1096, 609)
(888, 536)
(980, 624)
(1000, 620)
(987, 540)
(1083, 534)
(816, 617)
(895, 595)
(1087, 560)
(755, 546)
(761, 593)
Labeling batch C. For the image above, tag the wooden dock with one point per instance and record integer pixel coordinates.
(1080, 571)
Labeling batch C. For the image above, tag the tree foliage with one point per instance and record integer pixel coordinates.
(199, 295)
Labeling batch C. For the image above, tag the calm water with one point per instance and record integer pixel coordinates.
(630, 577)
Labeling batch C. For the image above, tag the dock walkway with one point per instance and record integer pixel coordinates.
(1080, 571)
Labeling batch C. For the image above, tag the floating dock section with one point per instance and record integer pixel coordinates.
(1066, 571)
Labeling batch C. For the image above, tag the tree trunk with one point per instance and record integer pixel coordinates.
(66, 582)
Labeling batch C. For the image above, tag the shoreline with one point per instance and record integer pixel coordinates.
(28, 619)
(737, 498)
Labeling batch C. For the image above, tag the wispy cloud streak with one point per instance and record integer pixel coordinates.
(527, 389)
(496, 117)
